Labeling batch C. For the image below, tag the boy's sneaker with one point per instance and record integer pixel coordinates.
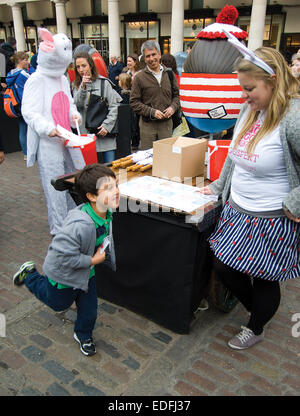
(24, 270)
(245, 339)
(87, 347)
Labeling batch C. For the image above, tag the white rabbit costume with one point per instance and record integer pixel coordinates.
(46, 102)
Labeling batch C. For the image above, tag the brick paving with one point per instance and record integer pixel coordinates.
(135, 357)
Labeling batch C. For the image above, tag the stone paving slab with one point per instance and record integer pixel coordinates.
(135, 357)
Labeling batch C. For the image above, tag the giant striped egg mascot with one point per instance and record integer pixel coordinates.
(210, 93)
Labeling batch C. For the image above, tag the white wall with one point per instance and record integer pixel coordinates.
(165, 24)
(219, 4)
(292, 23)
(39, 10)
(78, 8)
(5, 14)
(125, 6)
(160, 6)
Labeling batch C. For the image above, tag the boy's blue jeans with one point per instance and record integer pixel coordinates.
(61, 299)
(23, 135)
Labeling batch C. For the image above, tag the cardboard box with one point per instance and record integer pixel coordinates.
(177, 158)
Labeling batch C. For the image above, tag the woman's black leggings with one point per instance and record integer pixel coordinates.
(260, 297)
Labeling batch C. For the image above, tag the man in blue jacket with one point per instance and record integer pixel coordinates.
(114, 70)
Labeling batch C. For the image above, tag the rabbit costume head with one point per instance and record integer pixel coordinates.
(55, 53)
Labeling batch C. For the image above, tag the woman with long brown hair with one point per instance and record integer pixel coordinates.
(133, 65)
(86, 81)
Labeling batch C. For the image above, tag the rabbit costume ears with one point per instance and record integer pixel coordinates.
(55, 52)
(47, 44)
(248, 54)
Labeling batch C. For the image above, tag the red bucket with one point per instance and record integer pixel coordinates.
(85, 154)
(217, 153)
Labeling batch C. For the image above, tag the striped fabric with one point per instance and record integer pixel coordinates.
(267, 248)
(200, 93)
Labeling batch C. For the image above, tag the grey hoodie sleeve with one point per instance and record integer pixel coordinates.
(290, 132)
(80, 97)
(68, 246)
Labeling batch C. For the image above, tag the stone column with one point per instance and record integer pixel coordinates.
(257, 24)
(61, 17)
(177, 26)
(18, 25)
(114, 28)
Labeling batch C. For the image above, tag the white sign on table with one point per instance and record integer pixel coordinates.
(166, 193)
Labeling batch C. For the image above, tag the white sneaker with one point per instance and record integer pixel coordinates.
(24, 270)
(245, 339)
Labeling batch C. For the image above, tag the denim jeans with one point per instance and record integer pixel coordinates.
(108, 156)
(23, 135)
(61, 299)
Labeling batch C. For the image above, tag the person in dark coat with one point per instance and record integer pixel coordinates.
(7, 49)
(114, 70)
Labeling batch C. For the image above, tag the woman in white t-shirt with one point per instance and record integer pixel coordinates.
(257, 238)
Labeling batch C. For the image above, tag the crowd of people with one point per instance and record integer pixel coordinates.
(256, 240)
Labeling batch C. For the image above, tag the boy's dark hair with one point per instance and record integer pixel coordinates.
(87, 180)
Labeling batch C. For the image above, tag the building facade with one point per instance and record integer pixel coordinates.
(119, 27)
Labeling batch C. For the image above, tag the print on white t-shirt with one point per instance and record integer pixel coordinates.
(259, 182)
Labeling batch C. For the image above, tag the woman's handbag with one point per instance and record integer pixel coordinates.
(97, 112)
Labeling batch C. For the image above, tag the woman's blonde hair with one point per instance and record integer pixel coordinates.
(125, 81)
(285, 87)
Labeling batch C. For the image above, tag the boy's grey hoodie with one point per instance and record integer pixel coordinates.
(69, 255)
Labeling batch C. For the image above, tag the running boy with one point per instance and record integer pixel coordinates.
(74, 251)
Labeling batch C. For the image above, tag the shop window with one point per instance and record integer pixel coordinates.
(193, 26)
(142, 6)
(290, 44)
(272, 30)
(166, 45)
(2, 34)
(96, 8)
(96, 35)
(138, 32)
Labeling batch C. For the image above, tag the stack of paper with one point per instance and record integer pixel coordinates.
(166, 193)
(73, 139)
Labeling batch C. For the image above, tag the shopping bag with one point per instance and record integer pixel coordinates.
(182, 129)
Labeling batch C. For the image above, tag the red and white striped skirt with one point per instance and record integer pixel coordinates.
(268, 248)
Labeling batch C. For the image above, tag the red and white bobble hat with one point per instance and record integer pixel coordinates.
(225, 20)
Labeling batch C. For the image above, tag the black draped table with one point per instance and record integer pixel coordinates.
(163, 263)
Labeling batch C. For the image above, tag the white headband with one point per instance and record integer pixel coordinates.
(248, 54)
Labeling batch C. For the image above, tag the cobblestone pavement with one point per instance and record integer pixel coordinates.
(135, 357)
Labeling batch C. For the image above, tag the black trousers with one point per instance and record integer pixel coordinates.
(260, 297)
